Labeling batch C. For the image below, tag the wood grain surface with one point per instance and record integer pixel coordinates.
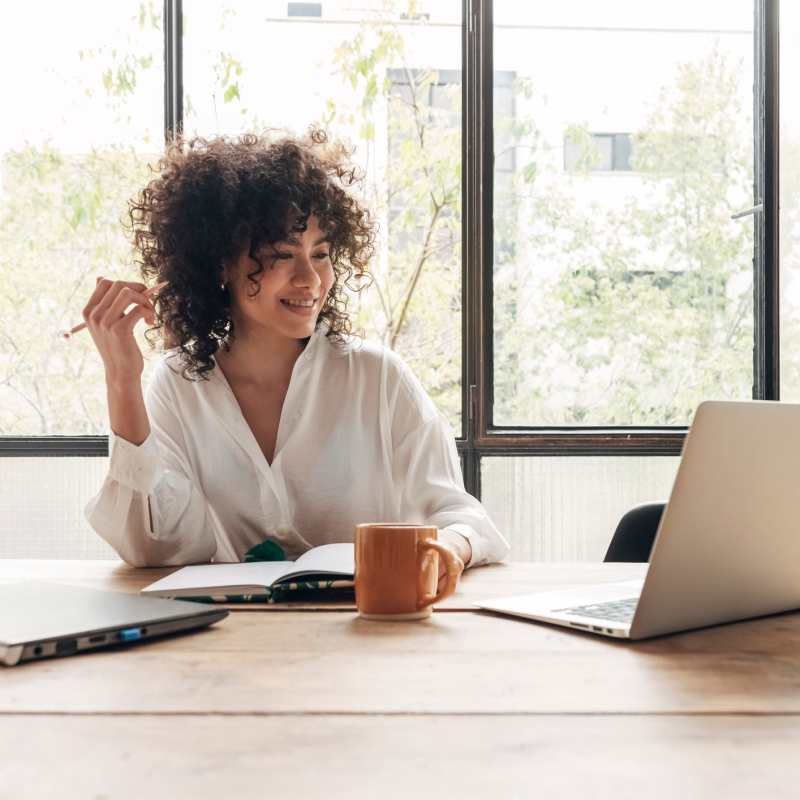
(299, 662)
(443, 757)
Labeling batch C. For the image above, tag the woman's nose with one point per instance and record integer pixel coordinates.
(305, 274)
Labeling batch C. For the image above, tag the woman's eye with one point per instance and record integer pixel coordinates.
(288, 256)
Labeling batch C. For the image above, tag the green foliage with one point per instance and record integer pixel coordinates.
(226, 69)
(588, 153)
(60, 226)
(61, 217)
(632, 316)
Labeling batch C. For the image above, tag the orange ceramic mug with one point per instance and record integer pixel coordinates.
(397, 570)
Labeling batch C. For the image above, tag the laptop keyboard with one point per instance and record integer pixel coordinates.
(618, 610)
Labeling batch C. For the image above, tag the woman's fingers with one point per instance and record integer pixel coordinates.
(125, 297)
(109, 292)
(104, 294)
(112, 329)
(128, 322)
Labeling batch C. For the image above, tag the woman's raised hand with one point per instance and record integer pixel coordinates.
(112, 329)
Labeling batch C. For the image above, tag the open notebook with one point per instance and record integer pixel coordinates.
(330, 566)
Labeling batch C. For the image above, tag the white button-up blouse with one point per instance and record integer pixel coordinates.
(359, 440)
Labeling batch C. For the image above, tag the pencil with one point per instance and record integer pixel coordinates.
(68, 334)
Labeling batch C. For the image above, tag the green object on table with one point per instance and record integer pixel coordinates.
(266, 551)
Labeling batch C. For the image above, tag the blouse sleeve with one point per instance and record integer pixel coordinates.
(153, 481)
(427, 470)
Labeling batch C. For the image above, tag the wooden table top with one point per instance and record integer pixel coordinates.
(463, 704)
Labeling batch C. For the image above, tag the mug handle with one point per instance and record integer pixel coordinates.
(454, 566)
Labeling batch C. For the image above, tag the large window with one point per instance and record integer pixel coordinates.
(577, 213)
(629, 294)
(83, 116)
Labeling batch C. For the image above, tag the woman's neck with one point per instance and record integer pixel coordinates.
(259, 361)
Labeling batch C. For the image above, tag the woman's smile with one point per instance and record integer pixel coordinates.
(304, 308)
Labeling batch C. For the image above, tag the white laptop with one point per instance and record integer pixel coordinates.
(728, 544)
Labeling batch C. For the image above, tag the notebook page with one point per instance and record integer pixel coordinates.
(251, 574)
(337, 559)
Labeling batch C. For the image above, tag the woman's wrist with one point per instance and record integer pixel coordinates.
(458, 542)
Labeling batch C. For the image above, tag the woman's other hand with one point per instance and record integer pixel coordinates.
(459, 545)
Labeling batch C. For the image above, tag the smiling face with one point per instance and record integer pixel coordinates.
(297, 276)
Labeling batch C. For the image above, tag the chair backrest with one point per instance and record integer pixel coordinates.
(635, 533)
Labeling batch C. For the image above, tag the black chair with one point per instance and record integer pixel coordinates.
(635, 533)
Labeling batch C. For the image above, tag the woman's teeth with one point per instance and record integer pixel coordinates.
(301, 308)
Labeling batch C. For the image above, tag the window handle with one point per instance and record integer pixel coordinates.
(748, 211)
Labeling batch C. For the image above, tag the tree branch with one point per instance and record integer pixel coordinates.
(31, 403)
(415, 276)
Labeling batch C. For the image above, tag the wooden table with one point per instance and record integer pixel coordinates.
(465, 704)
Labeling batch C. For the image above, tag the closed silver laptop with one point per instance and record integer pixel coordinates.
(728, 544)
(41, 619)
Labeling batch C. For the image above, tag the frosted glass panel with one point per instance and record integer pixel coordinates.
(566, 509)
(41, 507)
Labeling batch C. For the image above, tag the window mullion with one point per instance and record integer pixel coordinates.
(766, 351)
(173, 68)
(470, 237)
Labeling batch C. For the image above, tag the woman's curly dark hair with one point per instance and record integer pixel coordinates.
(214, 196)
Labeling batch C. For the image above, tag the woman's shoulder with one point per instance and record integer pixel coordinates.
(170, 370)
(377, 364)
(369, 355)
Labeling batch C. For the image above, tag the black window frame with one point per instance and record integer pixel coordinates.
(485, 438)
(482, 438)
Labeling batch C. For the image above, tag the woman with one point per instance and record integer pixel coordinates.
(265, 419)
